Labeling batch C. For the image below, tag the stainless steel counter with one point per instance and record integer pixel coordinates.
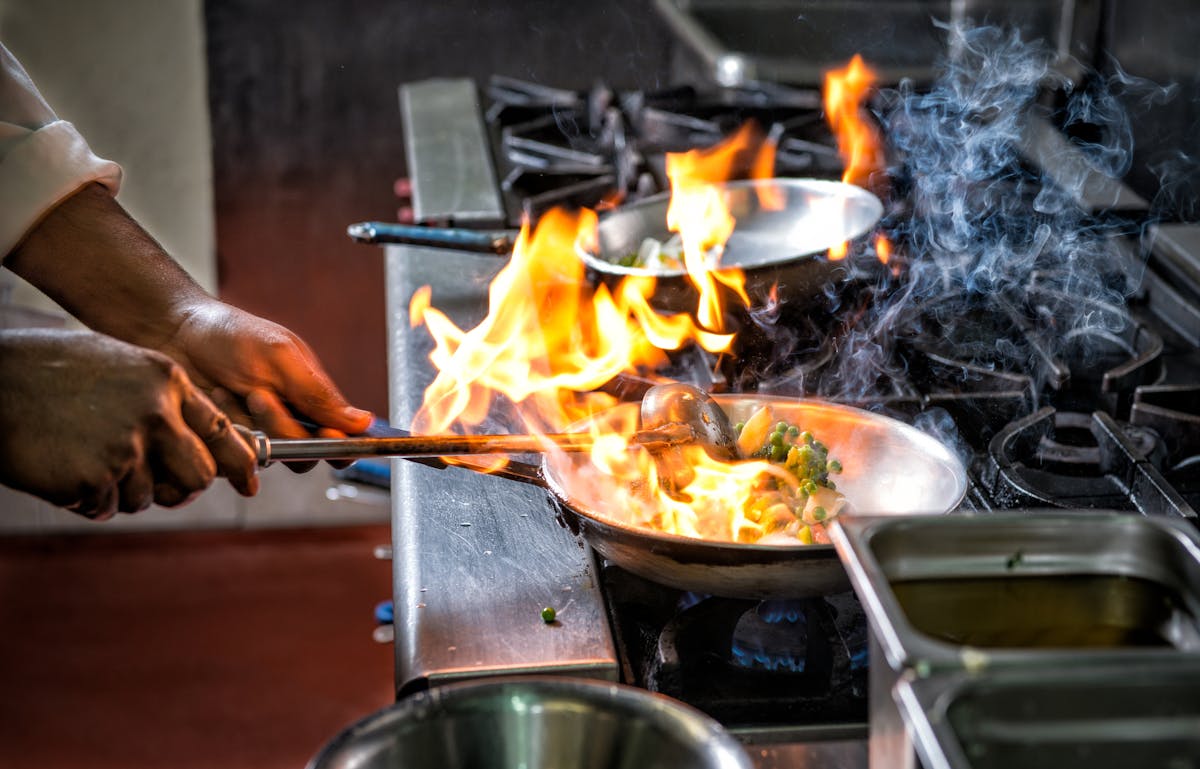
(476, 557)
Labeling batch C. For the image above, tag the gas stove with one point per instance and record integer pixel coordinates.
(1047, 413)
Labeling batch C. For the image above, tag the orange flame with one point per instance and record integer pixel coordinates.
(713, 505)
(549, 339)
(883, 249)
(858, 140)
(702, 219)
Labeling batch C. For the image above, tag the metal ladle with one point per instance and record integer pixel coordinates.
(677, 403)
(672, 415)
(682, 404)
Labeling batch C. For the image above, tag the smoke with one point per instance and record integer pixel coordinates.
(982, 226)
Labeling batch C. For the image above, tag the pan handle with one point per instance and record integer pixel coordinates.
(524, 472)
(477, 241)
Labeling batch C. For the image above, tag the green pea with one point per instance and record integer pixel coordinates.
(548, 614)
(778, 452)
(835, 466)
(807, 437)
(818, 513)
(793, 432)
(776, 438)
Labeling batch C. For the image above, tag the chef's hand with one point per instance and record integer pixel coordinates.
(98, 426)
(255, 370)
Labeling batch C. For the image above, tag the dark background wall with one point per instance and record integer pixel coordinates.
(307, 137)
(1158, 42)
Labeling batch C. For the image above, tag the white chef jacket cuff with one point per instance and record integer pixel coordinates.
(42, 170)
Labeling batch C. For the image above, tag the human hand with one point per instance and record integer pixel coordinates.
(98, 426)
(255, 370)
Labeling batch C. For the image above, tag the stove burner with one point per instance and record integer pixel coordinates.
(743, 662)
(1101, 362)
(772, 636)
(1064, 459)
(595, 148)
(1174, 412)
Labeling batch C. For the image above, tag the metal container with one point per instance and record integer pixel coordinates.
(1096, 718)
(1031, 590)
(534, 723)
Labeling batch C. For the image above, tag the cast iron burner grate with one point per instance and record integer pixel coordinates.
(556, 147)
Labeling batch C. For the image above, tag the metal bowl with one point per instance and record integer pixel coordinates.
(534, 723)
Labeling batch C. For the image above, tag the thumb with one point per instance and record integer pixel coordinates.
(317, 398)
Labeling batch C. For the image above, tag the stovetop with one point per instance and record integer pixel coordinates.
(1055, 393)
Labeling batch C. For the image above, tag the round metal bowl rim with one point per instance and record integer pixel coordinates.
(662, 708)
(612, 268)
(593, 517)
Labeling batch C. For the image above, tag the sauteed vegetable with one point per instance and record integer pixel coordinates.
(782, 511)
(654, 254)
(779, 489)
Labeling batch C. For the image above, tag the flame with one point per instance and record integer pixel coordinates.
(715, 504)
(699, 214)
(549, 339)
(858, 140)
(883, 249)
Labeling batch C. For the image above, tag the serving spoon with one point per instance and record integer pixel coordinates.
(672, 415)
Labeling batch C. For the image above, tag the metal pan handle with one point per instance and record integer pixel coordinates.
(524, 472)
(476, 241)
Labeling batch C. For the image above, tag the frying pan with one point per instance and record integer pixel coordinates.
(782, 249)
(889, 468)
(785, 227)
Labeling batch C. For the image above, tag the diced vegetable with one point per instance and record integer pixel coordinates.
(801, 509)
(654, 254)
(754, 433)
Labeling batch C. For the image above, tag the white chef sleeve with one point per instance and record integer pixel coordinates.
(43, 160)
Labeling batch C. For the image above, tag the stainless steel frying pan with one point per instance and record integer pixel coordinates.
(782, 249)
(890, 468)
(784, 231)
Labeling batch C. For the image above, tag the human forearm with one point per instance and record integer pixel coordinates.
(93, 259)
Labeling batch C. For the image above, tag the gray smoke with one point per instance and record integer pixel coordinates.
(983, 231)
